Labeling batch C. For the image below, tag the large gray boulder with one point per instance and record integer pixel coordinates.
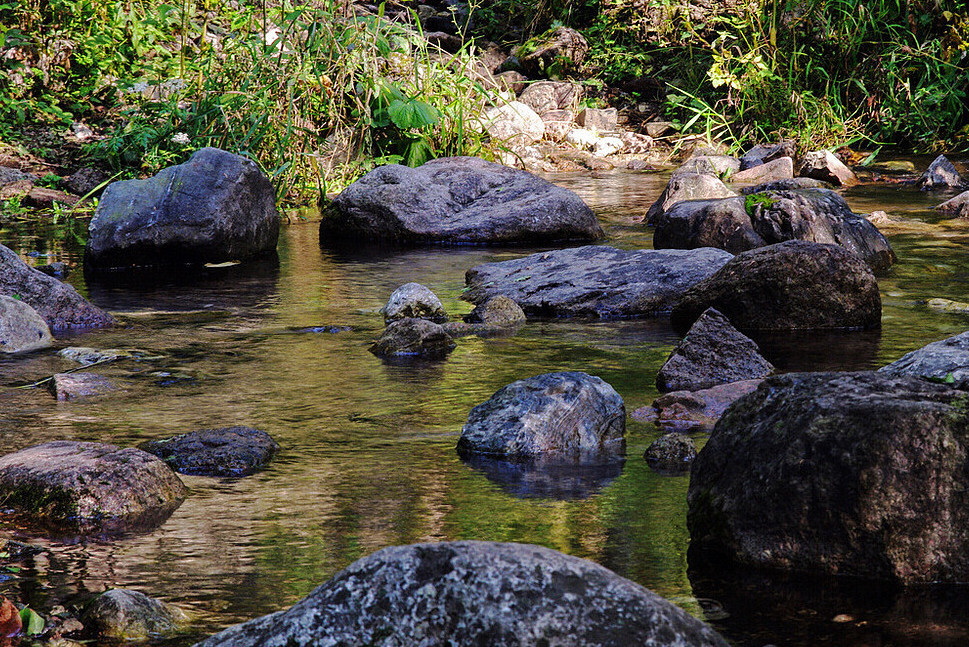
(214, 208)
(228, 451)
(58, 303)
(769, 217)
(594, 280)
(457, 200)
(474, 593)
(556, 413)
(945, 361)
(127, 615)
(795, 285)
(22, 329)
(712, 353)
(89, 484)
(859, 474)
(941, 174)
(687, 186)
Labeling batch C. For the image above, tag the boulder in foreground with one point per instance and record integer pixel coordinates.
(22, 329)
(945, 361)
(474, 593)
(456, 200)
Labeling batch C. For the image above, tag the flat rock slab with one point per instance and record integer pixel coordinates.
(84, 484)
(58, 303)
(214, 208)
(945, 361)
(595, 280)
(569, 413)
(22, 329)
(457, 200)
(474, 593)
(230, 451)
(859, 474)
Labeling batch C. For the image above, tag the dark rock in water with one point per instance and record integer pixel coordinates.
(214, 208)
(792, 184)
(672, 452)
(570, 413)
(687, 186)
(763, 153)
(332, 330)
(56, 269)
(22, 329)
(945, 361)
(58, 303)
(689, 410)
(89, 485)
(845, 473)
(457, 200)
(740, 224)
(497, 312)
(474, 593)
(230, 451)
(76, 386)
(126, 615)
(795, 285)
(413, 300)
(957, 206)
(549, 477)
(595, 280)
(713, 352)
(941, 174)
(413, 337)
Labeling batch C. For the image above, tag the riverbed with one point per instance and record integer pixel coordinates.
(368, 456)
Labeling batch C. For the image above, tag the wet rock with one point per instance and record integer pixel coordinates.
(127, 615)
(514, 124)
(957, 206)
(795, 285)
(22, 329)
(497, 312)
(600, 120)
(941, 174)
(413, 300)
(413, 337)
(763, 153)
(671, 452)
(475, 593)
(216, 207)
(713, 352)
(688, 410)
(559, 50)
(859, 474)
(687, 186)
(76, 386)
(85, 355)
(741, 224)
(594, 281)
(58, 303)
(546, 96)
(945, 361)
(457, 200)
(230, 451)
(568, 413)
(781, 168)
(57, 269)
(894, 166)
(822, 165)
(89, 484)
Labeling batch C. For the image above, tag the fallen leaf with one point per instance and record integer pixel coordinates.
(10, 624)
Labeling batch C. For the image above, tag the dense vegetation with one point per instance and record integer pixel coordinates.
(318, 93)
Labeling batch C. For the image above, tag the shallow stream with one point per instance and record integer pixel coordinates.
(368, 454)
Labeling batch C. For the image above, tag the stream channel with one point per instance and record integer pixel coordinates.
(368, 447)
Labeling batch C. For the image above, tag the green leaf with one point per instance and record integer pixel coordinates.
(412, 113)
(32, 621)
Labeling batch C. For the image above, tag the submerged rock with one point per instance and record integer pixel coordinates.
(126, 615)
(58, 303)
(474, 593)
(596, 281)
(89, 484)
(562, 478)
(413, 337)
(945, 361)
(216, 207)
(457, 200)
(568, 413)
(795, 285)
(672, 452)
(229, 451)
(413, 300)
(22, 329)
(76, 386)
(845, 473)
(941, 174)
(713, 352)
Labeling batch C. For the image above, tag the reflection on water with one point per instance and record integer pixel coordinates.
(545, 478)
(368, 455)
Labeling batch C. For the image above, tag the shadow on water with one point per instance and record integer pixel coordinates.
(549, 478)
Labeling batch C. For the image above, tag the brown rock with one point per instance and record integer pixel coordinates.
(75, 386)
(781, 168)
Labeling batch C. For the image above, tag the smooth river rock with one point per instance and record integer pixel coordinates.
(795, 285)
(457, 200)
(214, 208)
(89, 484)
(413, 300)
(595, 280)
(412, 338)
(860, 474)
(127, 615)
(945, 361)
(229, 451)
(58, 303)
(474, 593)
(22, 329)
(687, 186)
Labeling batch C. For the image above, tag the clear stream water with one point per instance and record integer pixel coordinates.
(368, 454)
